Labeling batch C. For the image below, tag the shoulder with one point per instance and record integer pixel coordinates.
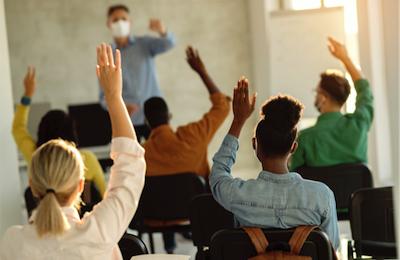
(12, 235)
(320, 189)
(87, 155)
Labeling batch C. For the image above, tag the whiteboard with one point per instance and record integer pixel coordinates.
(299, 53)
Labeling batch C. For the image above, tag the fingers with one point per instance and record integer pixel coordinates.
(99, 60)
(98, 71)
(331, 48)
(29, 71)
(190, 52)
(104, 54)
(197, 54)
(253, 101)
(118, 60)
(33, 72)
(245, 89)
(110, 56)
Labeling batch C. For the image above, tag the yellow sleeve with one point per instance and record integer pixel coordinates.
(93, 171)
(22, 138)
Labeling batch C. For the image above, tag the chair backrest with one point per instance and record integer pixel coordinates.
(343, 179)
(93, 125)
(167, 197)
(236, 244)
(371, 215)
(131, 245)
(207, 216)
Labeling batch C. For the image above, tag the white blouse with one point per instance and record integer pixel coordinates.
(96, 235)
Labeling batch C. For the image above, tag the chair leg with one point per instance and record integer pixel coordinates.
(151, 242)
(350, 252)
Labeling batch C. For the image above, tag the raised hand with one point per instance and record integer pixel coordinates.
(337, 49)
(109, 74)
(242, 106)
(30, 82)
(158, 26)
(193, 58)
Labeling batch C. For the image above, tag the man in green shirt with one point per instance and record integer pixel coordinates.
(337, 138)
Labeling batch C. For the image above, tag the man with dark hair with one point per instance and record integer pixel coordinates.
(337, 138)
(138, 69)
(169, 152)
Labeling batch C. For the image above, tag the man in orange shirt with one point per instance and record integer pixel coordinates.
(169, 152)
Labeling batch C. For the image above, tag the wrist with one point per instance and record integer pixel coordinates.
(28, 94)
(26, 101)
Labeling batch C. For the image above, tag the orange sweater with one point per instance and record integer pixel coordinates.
(185, 151)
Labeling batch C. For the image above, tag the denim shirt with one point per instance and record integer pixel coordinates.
(139, 78)
(272, 200)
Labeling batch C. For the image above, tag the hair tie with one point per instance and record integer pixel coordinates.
(50, 191)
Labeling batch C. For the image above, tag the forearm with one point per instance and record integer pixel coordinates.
(236, 128)
(211, 87)
(353, 71)
(121, 123)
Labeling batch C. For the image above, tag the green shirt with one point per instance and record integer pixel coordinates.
(337, 138)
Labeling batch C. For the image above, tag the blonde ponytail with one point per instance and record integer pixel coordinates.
(56, 169)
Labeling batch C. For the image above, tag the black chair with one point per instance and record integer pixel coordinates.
(372, 224)
(236, 244)
(166, 198)
(90, 196)
(207, 217)
(131, 245)
(343, 180)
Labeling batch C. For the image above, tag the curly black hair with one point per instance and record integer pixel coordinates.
(277, 129)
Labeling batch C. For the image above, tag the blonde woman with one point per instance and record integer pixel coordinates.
(55, 230)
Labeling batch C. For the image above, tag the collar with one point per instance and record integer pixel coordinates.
(160, 129)
(329, 116)
(281, 178)
(70, 213)
(131, 40)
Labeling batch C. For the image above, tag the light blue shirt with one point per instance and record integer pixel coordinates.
(272, 200)
(138, 70)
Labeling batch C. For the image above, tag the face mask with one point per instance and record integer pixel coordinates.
(120, 28)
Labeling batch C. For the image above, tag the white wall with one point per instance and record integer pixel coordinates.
(10, 200)
(59, 38)
(379, 39)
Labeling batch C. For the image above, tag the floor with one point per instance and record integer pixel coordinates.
(184, 246)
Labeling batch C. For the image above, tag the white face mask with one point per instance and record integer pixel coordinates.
(120, 28)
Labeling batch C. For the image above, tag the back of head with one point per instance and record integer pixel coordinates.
(112, 8)
(56, 124)
(56, 169)
(277, 129)
(336, 85)
(156, 112)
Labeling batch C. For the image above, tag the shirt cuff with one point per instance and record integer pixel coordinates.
(26, 101)
(361, 83)
(231, 141)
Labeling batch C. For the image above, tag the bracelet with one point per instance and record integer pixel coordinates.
(26, 101)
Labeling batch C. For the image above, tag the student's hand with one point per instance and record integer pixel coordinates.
(30, 82)
(158, 26)
(242, 106)
(132, 108)
(193, 58)
(110, 75)
(337, 49)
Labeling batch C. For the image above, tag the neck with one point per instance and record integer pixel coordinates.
(122, 41)
(328, 109)
(276, 165)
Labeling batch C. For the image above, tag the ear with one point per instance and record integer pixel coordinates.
(253, 140)
(294, 147)
(33, 190)
(108, 24)
(170, 116)
(81, 185)
(147, 123)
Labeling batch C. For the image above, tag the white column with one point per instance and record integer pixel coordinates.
(10, 187)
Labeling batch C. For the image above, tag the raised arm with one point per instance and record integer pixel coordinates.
(339, 51)
(242, 106)
(161, 44)
(110, 78)
(197, 65)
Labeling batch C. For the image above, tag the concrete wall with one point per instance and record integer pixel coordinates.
(10, 200)
(59, 38)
